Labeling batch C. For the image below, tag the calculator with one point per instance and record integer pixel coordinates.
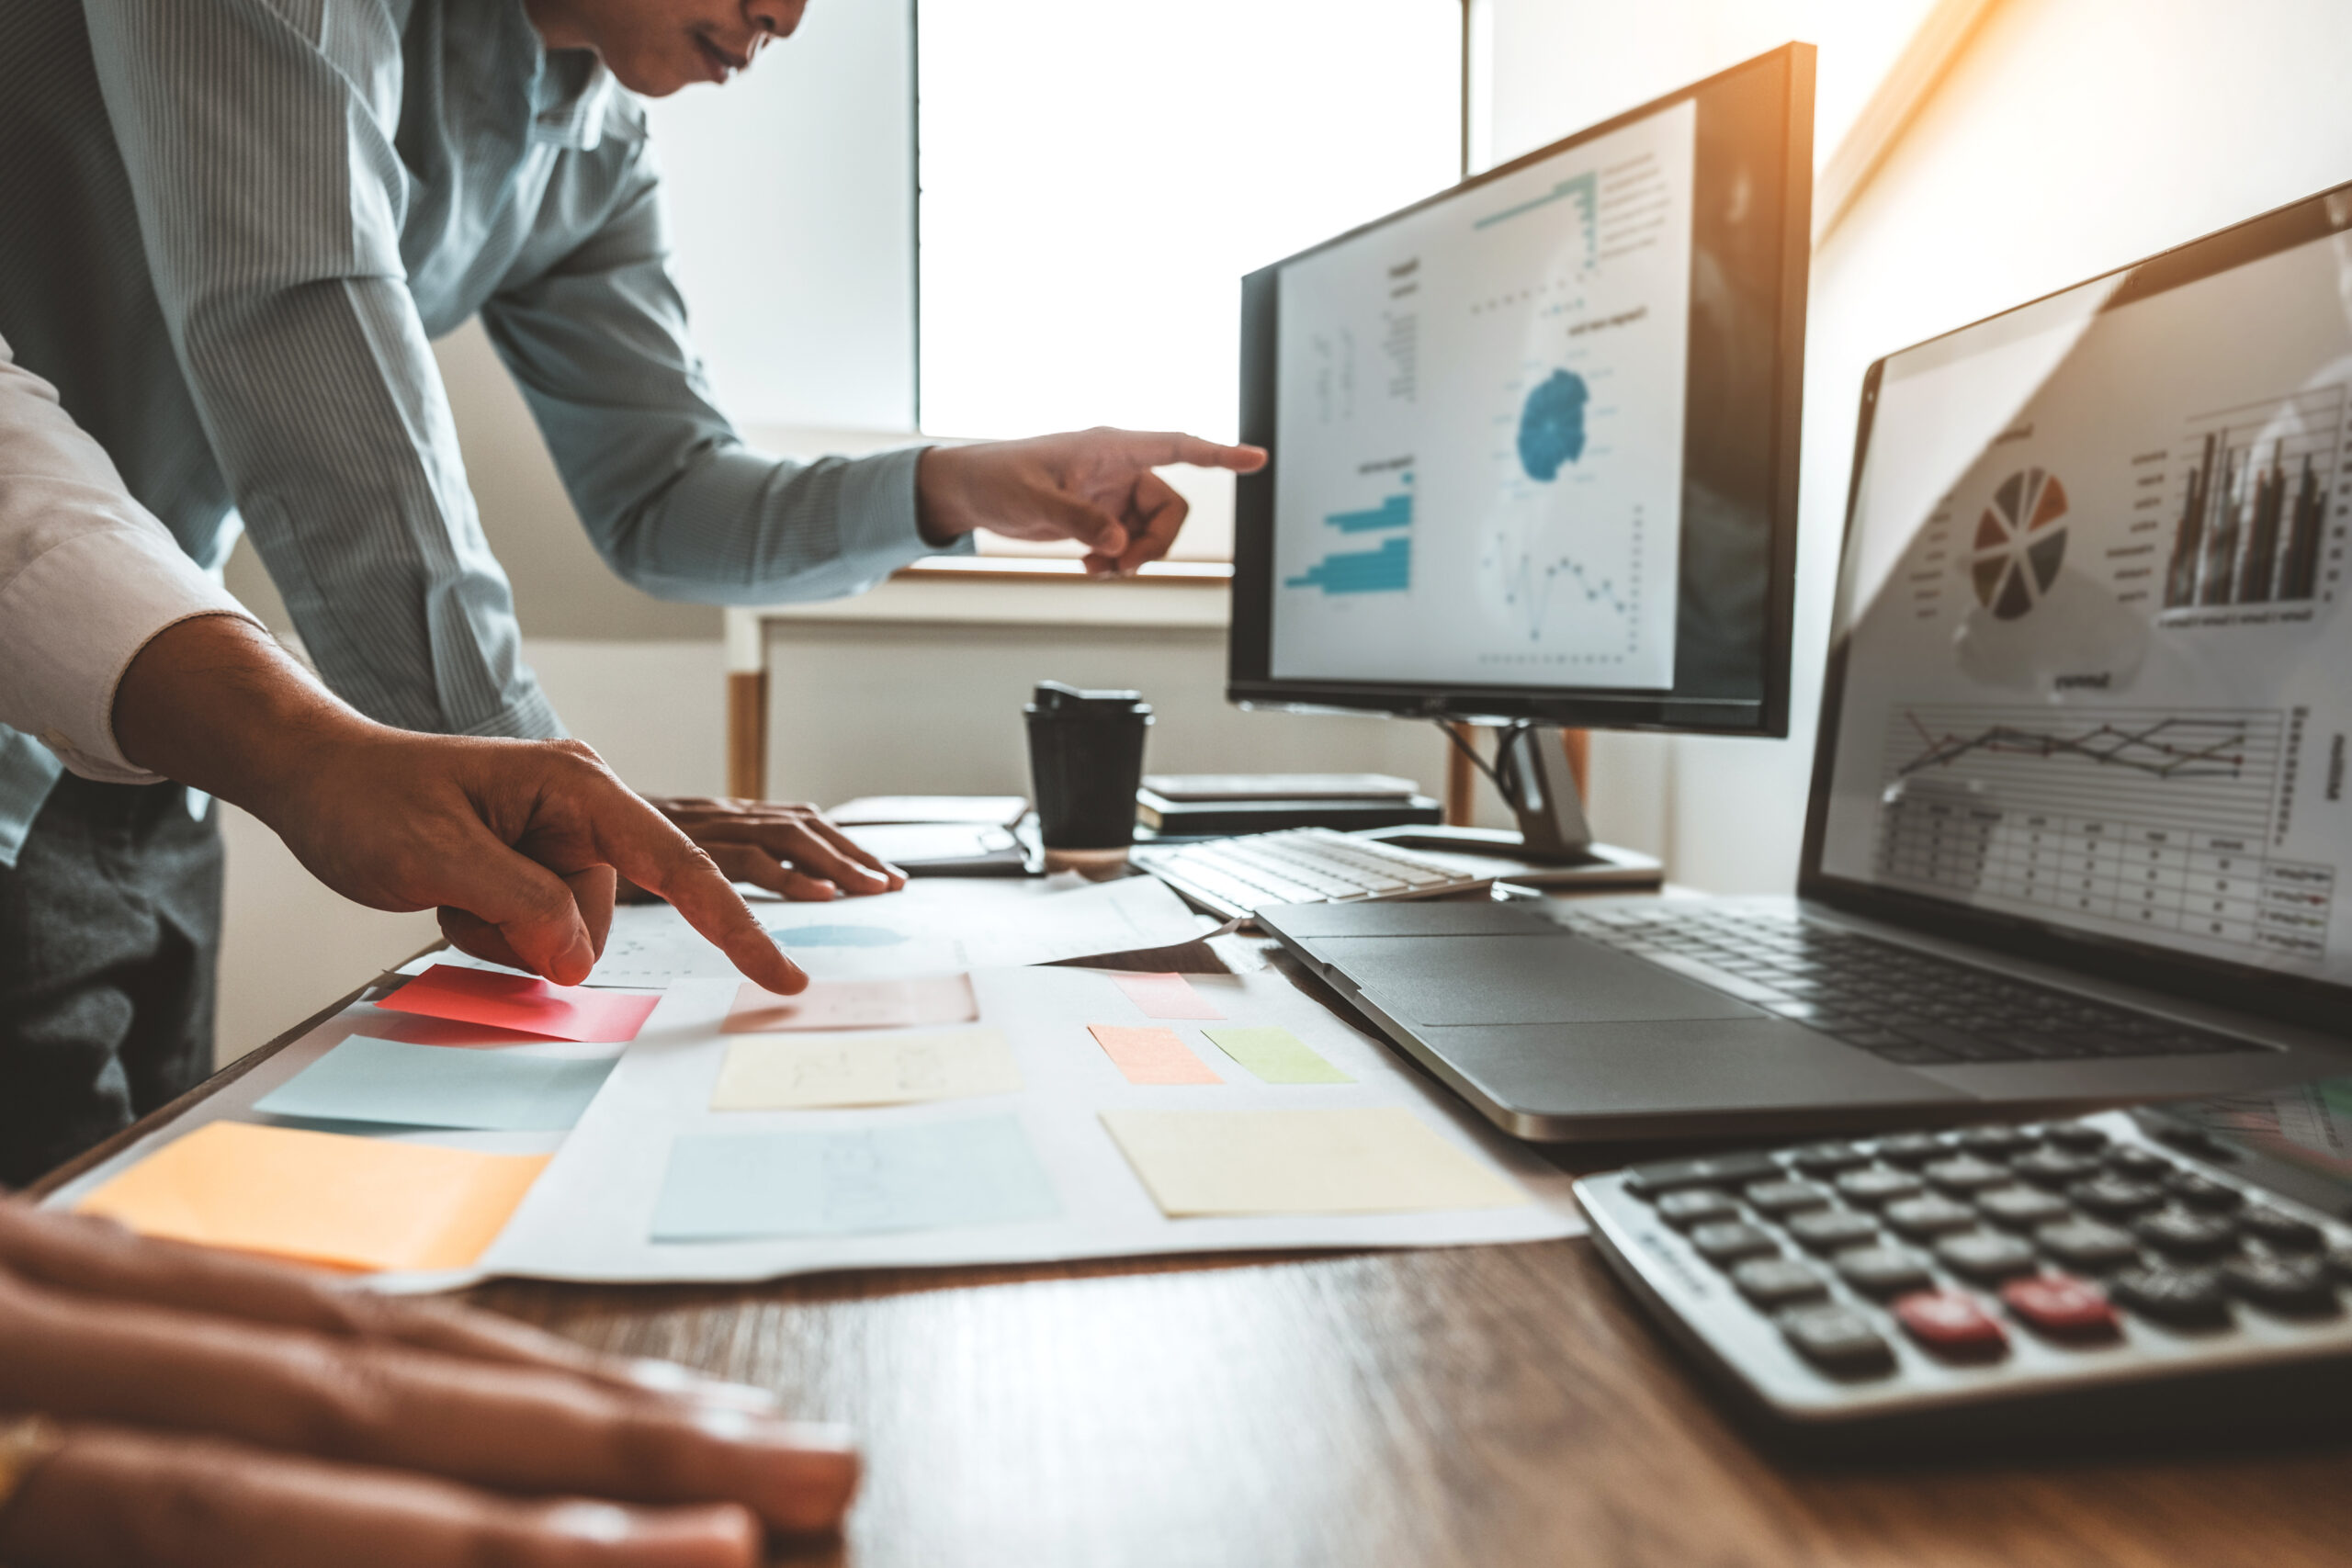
(2128, 1274)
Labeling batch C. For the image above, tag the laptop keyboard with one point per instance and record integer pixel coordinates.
(1907, 1007)
(1237, 878)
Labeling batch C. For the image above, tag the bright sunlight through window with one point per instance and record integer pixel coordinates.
(1097, 178)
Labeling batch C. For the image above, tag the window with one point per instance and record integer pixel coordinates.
(1095, 179)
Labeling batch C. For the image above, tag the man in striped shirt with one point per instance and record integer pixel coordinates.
(229, 231)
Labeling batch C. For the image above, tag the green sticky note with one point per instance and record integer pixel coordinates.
(1275, 1054)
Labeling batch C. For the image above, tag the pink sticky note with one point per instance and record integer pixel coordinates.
(1165, 995)
(523, 1003)
(920, 1003)
(1150, 1055)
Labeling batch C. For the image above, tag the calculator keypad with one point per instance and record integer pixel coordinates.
(1956, 1249)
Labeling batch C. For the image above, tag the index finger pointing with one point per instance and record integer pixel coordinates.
(1175, 447)
(693, 884)
(648, 850)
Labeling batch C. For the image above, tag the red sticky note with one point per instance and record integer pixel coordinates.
(1164, 995)
(523, 1003)
(1150, 1055)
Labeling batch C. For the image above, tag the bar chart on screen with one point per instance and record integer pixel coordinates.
(2252, 489)
(1386, 525)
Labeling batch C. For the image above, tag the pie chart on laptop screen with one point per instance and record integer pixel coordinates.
(2021, 543)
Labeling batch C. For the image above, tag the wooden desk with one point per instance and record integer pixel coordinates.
(1481, 1407)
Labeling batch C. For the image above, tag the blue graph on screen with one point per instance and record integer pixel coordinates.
(1583, 189)
(1551, 425)
(1396, 512)
(1386, 569)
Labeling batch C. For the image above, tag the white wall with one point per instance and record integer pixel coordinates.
(1560, 65)
(2071, 137)
(863, 707)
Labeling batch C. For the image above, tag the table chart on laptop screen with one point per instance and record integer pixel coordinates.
(2097, 668)
(1482, 414)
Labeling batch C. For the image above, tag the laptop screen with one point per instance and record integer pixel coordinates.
(2092, 672)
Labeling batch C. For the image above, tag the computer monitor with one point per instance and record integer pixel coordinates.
(2087, 690)
(1534, 439)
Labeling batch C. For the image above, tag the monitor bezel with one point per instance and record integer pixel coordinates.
(1249, 682)
(2277, 993)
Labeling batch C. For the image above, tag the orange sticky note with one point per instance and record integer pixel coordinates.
(321, 1197)
(1150, 1055)
(523, 1003)
(1165, 995)
(924, 1002)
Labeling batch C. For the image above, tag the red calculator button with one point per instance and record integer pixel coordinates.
(1950, 1323)
(2062, 1305)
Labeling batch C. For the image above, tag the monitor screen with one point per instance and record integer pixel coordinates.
(2088, 673)
(1533, 439)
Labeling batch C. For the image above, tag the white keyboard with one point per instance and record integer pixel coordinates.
(1237, 877)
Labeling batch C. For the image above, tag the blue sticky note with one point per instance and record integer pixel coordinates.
(738, 1185)
(364, 1080)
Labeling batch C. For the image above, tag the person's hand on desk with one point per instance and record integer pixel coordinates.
(786, 848)
(203, 1408)
(1094, 486)
(515, 841)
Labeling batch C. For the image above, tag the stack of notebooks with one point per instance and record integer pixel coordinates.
(1210, 806)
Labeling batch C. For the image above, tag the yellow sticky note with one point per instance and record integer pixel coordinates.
(796, 1072)
(1377, 1161)
(321, 1197)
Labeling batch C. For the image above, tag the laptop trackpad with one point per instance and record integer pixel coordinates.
(1537, 979)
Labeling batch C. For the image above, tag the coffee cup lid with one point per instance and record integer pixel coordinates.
(1069, 702)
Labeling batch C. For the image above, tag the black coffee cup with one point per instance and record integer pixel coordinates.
(1085, 765)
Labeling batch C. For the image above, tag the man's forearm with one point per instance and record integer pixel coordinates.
(216, 704)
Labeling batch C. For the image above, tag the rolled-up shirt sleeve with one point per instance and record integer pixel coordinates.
(88, 578)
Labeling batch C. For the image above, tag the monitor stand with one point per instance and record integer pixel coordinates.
(1553, 846)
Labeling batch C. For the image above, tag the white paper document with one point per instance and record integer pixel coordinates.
(1033, 1174)
(936, 926)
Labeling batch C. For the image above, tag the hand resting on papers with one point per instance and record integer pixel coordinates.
(515, 841)
(212, 1409)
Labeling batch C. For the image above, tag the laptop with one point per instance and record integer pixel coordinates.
(2078, 819)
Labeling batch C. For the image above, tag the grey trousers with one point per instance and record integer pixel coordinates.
(109, 936)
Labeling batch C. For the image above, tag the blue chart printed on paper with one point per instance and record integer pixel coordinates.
(836, 936)
(1388, 568)
(929, 1176)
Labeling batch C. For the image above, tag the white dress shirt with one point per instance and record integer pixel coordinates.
(87, 576)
